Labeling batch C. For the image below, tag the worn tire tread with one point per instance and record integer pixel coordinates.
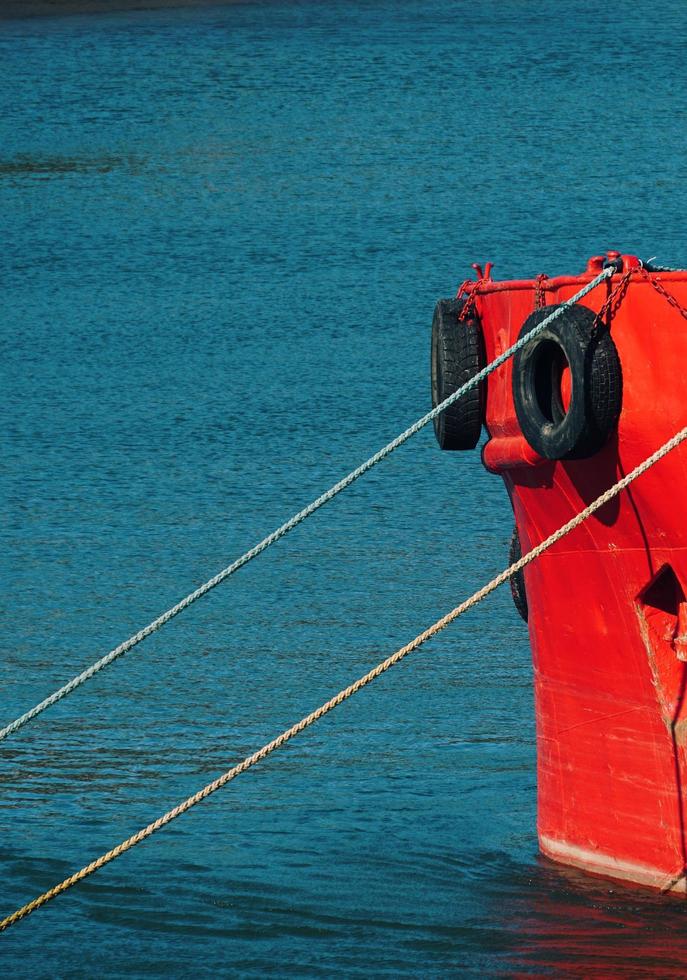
(457, 356)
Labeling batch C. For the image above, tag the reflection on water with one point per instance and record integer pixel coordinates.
(572, 924)
(224, 233)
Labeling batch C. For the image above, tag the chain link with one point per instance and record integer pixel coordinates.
(612, 302)
(539, 298)
(660, 288)
(469, 305)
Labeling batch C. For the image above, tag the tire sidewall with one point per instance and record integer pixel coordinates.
(577, 434)
(457, 354)
(551, 440)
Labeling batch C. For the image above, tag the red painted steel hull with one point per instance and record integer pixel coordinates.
(605, 602)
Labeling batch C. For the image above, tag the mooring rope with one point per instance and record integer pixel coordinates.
(347, 692)
(295, 520)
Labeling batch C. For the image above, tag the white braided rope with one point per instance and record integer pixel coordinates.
(343, 695)
(294, 521)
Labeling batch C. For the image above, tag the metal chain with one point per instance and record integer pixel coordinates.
(660, 288)
(294, 521)
(347, 692)
(612, 302)
(539, 298)
(470, 299)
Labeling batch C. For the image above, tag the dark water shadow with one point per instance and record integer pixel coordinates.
(21, 9)
(22, 166)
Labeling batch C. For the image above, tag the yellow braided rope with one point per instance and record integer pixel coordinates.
(347, 692)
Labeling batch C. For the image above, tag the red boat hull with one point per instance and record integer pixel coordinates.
(607, 603)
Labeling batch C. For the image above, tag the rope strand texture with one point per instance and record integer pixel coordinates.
(348, 692)
(292, 522)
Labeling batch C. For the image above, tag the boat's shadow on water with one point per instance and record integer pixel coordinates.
(568, 923)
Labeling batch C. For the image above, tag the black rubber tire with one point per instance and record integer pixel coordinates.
(457, 355)
(517, 581)
(596, 384)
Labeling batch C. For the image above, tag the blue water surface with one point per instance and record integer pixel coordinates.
(224, 231)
